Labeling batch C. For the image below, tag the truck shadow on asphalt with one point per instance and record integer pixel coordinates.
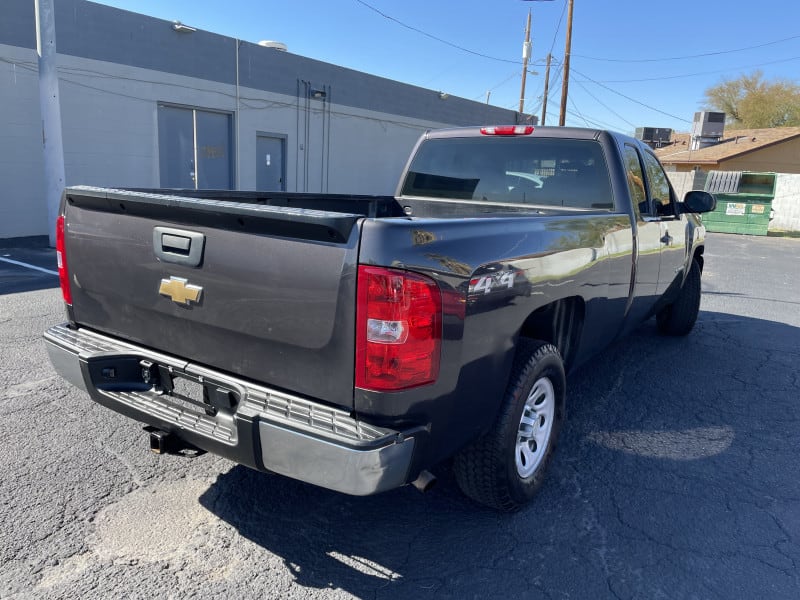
(676, 471)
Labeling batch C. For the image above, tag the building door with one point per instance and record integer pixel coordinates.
(270, 163)
(194, 148)
(213, 139)
(176, 147)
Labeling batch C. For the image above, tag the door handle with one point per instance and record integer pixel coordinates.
(178, 246)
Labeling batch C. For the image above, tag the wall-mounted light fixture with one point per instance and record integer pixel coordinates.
(443, 95)
(181, 28)
(320, 94)
(273, 44)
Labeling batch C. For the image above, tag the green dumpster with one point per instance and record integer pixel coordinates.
(744, 202)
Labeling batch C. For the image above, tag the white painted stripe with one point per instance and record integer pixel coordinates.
(27, 266)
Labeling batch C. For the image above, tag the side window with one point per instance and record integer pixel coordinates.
(635, 177)
(660, 190)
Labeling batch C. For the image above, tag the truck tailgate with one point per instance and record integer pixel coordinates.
(264, 292)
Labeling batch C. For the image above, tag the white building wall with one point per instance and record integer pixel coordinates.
(349, 150)
(109, 116)
(353, 167)
(22, 192)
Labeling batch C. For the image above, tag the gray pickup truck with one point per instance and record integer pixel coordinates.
(355, 342)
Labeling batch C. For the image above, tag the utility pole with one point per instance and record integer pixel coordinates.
(526, 54)
(565, 84)
(50, 106)
(546, 88)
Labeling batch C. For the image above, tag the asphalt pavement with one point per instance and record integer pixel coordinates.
(677, 476)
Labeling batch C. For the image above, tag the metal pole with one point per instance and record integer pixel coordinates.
(546, 88)
(49, 103)
(526, 54)
(565, 84)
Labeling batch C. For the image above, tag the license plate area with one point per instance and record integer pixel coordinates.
(134, 374)
(189, 394)
(195, 393)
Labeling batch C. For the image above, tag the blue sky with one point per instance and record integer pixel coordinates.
(680, 48)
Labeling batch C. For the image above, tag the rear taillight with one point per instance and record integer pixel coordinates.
(61, 257)
(399, 329)
(507, 130)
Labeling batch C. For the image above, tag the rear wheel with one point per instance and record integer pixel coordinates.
(679, 317)
(504, 468)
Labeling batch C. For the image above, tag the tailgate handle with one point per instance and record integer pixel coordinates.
(178, 246)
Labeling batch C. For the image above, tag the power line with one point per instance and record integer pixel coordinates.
(658, 110)
(663, 77)
(558, 27)
(611, 110)
(555, 80)
(578, 111)
(688, 56)
(433, 37)
(590, 122)
(600, 124)
(497, 85)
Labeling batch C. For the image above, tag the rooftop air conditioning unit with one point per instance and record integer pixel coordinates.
(708, 125)
(655, 137)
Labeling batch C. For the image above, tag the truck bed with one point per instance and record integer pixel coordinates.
(277, 274)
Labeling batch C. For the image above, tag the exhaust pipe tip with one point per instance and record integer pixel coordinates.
(425, 481)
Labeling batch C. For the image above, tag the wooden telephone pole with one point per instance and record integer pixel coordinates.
(546, 88)
(565, 85)
(526, 55)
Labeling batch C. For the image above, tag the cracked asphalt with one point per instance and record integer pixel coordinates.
(677, 476)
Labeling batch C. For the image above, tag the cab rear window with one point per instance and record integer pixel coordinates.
(519, 170)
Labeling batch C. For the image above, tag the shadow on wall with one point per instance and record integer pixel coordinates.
(671, 446)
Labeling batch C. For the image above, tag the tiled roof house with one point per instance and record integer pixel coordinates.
(776, 150)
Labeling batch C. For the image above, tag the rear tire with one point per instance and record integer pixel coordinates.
(679, 317)
(504, 468)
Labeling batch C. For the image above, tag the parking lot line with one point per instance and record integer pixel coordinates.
(27, 266)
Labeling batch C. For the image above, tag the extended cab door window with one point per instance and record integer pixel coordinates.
(647, 244)
(635, 177)
(661, 194)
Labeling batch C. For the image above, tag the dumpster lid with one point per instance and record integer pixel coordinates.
(723, 182)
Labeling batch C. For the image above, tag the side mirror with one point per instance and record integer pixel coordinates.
(698, 201)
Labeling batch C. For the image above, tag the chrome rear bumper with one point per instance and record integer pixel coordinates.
(261, 427)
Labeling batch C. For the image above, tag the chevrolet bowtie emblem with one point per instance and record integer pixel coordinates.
(180, 290)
